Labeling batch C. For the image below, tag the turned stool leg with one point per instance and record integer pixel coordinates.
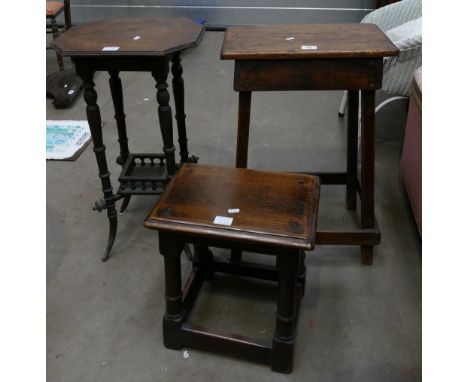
(171, 249)
(287, 265)
(204, 260)
(302, 272)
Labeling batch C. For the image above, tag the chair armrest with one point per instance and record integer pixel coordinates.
(399, 70)
(392, 15)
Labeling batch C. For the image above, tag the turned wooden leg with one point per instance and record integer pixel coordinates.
(178, 90)
(367, 168)
(165, 115)
(115, 84)
(94, 120)
(352, 151)
(170, 247)
(302, 273)
(282, 357)
(55, 33)
(204, 261)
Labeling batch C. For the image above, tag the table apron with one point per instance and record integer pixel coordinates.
(124, 64)
(317, 74)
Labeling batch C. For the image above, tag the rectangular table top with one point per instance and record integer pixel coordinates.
(240, 204)
(306, 41)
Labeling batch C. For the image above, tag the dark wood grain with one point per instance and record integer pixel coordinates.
(260, 42)
(274, 208)
(158, 37)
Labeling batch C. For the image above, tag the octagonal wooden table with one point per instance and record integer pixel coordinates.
(117, 45)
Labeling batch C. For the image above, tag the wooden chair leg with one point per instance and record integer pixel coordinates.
(55, 33)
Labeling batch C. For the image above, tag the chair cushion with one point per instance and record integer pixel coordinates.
(407, 30)
(53, 8)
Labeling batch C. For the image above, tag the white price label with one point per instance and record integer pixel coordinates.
(309, 47)
(110, 48)
(223, 220)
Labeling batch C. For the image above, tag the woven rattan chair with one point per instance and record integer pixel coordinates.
(398, 71)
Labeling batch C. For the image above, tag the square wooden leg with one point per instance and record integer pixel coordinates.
(367, 168)
(352, 149)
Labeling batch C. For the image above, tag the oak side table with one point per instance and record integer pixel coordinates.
(318, 57)
(146, 44)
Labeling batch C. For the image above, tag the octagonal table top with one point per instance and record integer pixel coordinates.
(157, 36)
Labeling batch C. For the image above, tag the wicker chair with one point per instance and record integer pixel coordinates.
(398, 71)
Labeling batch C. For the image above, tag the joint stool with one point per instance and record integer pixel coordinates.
(240, 209)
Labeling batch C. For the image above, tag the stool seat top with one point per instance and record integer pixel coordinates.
(266, 208)
(157, 36)
(306, 41)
